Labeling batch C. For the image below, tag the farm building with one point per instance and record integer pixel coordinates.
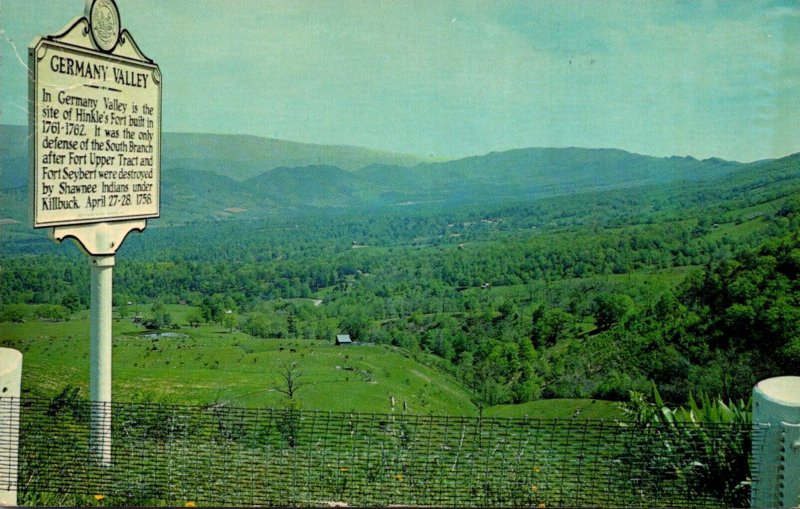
(343, 339)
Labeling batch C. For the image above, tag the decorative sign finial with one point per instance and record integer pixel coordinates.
(103, 17)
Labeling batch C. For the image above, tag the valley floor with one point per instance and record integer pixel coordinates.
(209, 364)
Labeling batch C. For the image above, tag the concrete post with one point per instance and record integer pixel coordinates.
(100, 358)
(10, 379)
(776, 462)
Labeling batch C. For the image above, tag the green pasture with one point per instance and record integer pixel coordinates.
(208, 364)
(742, 229)
(593, 409)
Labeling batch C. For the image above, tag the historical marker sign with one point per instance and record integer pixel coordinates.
(95, 135)
(95, 125)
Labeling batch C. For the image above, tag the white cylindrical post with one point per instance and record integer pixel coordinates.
(10, 379)
(100, 358)
(776, 460)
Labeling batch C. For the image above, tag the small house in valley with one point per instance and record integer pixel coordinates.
(343, 339)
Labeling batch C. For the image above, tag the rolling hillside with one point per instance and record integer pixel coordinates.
(236, 156)
(207, 364)
(472, 274)
(316, 186)
(215, 177)
(536, 172)
(241, 157)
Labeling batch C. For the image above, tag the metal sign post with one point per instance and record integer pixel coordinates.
(95, 131)
(100, 355)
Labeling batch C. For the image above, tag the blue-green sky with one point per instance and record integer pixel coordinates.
(453, 78)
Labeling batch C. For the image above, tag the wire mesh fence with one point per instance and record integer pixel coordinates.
(169, 455)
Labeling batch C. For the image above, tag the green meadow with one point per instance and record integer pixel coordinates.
(208, 364)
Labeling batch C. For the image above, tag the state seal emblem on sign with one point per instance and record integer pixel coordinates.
(104, 18)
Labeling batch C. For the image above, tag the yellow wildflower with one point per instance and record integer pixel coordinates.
(344, 469)
(399, 477)
(99, 497)
(534, 488)
(190, 503)
(541, 506)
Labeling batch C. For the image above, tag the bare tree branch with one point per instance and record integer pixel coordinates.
(291, 380)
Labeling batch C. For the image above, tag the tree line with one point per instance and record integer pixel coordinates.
(520, 302)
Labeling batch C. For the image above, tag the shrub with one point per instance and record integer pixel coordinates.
(706, 446)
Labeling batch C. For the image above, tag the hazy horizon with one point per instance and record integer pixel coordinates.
(460, 78)
(423, 157)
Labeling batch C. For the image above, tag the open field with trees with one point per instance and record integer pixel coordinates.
(208, 364)
(630, 277)
(558, 308)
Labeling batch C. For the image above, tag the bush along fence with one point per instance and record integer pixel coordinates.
(220, 455)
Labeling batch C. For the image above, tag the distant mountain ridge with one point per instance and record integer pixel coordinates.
(536, 172)
(236, 156)
(207, 177)
(242, 156)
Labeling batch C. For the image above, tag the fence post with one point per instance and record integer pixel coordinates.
(776, 463)
(10, 378)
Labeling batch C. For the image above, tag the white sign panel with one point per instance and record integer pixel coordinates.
(96, 134)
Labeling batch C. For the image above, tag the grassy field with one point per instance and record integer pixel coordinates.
(208, 364)
(594, 409)
(304, 458)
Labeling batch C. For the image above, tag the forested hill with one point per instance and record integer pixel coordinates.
(529, 273)
(211, 177)
(241, 156)
(236, 156)
(534, 172)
